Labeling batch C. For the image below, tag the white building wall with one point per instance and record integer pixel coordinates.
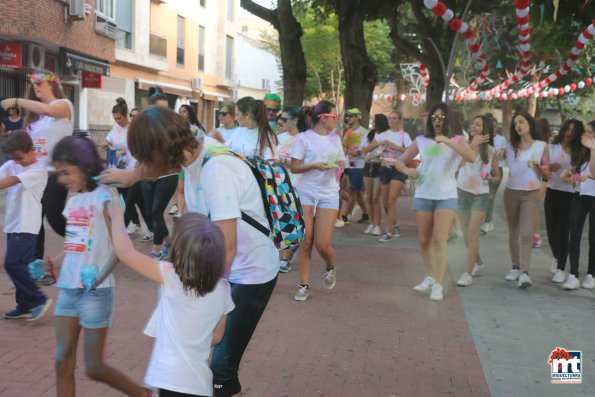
(253, 66)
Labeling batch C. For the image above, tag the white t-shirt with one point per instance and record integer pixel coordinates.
(311, 147)
(521, 176)
(118, 138)
(372, 156)
(352, 143)
(245, 141)
(439, 164)
(87, 240)
(500, 146)
(473, 176)
(23, 200)
(286, 141)
(587, 188)
(399, 138)
(227, 134)
(182, 325)
(257, 258)
(47, 131)
(558, 155)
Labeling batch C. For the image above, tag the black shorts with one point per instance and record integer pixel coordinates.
(371, 170)
(388, 174)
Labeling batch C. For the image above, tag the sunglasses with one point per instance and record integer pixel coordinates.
(283, 119)
(438, 117)
(223, 114)
(331, 115)
(271, 110)
(351, 115)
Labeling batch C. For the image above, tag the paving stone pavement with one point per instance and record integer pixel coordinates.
(370, 336)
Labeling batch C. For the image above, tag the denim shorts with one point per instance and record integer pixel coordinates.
(93, 308)
(356, 179)
(388, 174)
(473, 202)
(428, 205)
(308, 199)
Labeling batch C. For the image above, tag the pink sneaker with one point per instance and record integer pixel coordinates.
(536, 241)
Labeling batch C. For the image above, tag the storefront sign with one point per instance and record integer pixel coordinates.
(11, 55)
(91, 80)
(74, 63)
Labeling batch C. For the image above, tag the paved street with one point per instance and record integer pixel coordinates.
(371, 336)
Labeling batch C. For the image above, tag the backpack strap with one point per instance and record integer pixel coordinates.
(221, 150)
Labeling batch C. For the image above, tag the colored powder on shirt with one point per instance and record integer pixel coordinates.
(433, 150)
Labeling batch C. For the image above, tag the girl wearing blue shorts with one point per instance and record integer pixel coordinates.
(317, 155)
(87, 241)
(435, 200)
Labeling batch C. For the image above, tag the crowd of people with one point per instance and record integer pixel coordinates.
(216, 268)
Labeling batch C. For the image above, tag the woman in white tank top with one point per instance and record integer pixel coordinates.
(528, 163)
(435, 200)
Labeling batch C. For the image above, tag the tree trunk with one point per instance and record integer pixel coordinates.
(293, 62)
(360, 73)
(436, 85)
(507, 109)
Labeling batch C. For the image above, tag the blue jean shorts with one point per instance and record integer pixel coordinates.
(356, 179)
(93, 308)
(428, 205)
(308, 199)
(473, 202)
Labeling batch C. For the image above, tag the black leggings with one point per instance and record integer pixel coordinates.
(157, 195)
(133, 196)
(579, 209)
(557, 220)
(53, 202)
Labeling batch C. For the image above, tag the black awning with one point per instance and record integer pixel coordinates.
(79, 63)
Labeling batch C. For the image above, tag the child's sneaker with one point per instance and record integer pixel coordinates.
(165, 251)
(284, 267)
(16, 313)
(330, 278)
(39, 311)
(303, 293)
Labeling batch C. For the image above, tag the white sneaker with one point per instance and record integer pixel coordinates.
(436, 294)
(571, 283)
(173, 210)
(132, 228)
(485, 228)
(465, 280)
(558, 276)
(377, 231)
(512, 275)
(425, 285)
(477, 268)
(302, 294)
(339, 223)
(147, 237)
(554, 265)
(588, 282)
(330, 278)
(490, 226)
(524, 280)
(369, 229)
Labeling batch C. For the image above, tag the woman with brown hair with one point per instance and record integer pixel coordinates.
(49, 118)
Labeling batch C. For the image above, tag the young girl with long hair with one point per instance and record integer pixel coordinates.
(191, 288)
(49, 118)
(560, 192)
(435, 199)
(473, 191)
(254, 137)
(394, 142)
(316, 156)
(87, 241)
(372, 152)
(528, 164)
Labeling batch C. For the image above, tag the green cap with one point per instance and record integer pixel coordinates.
(272, 100)
(354, 112)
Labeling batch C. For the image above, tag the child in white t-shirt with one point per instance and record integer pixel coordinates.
(193, 302)
(25, 179)
(86, 285)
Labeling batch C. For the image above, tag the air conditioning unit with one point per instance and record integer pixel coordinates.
(34, 56)
(76, 9)
(196, 83)
(105, 27)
